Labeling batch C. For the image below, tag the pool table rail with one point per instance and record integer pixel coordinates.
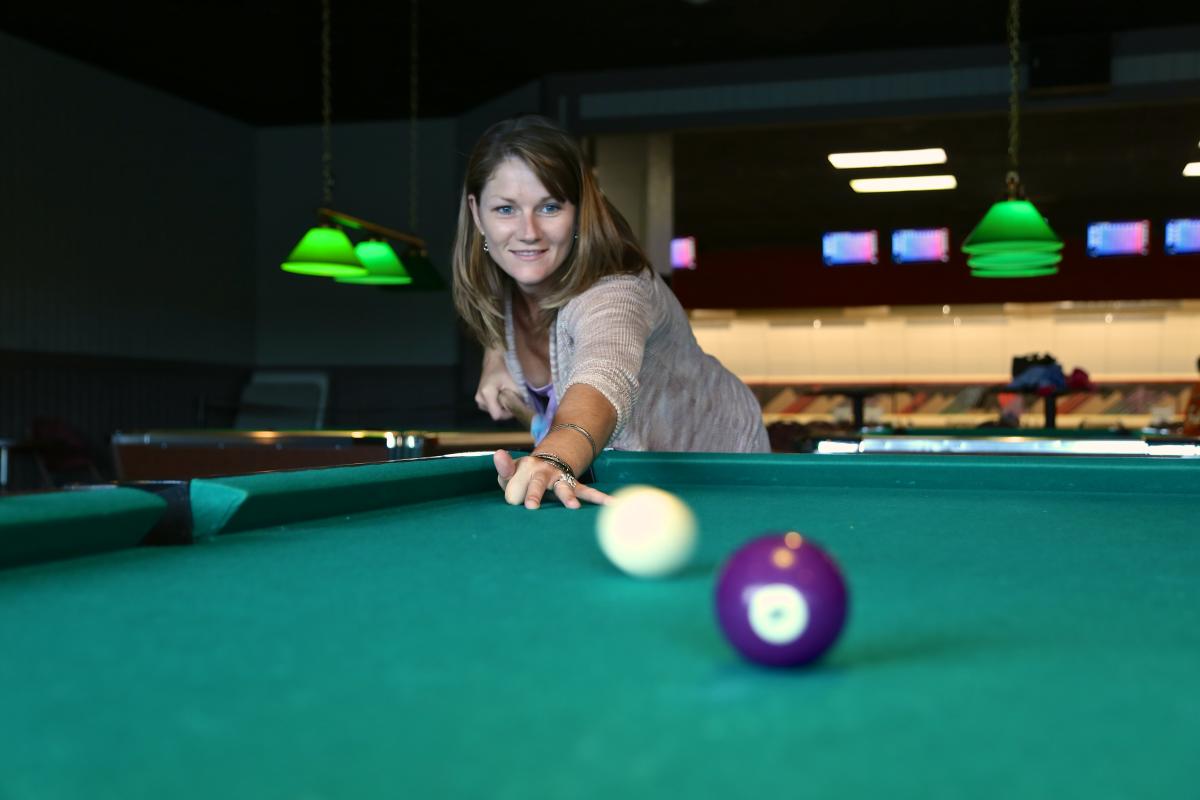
(267, 499)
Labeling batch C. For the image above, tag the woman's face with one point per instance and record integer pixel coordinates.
(529, 233)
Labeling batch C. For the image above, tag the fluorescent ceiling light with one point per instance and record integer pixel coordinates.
(888, 158)
(917, 183)
(1192, 170)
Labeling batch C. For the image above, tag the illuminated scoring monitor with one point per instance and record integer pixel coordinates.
(683, 252)
(913, 245)
(1183, 236)
(850, 247)
(1118, 238)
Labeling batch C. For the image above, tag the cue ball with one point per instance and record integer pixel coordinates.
(646, 532)
(781, 600)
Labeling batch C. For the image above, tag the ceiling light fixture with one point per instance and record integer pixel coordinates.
(325, 251)
(384, 267)
(914, 183)
(888, 158)
(1192, 170)
(1013, 240)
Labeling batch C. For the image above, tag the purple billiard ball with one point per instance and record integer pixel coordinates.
(781, 600)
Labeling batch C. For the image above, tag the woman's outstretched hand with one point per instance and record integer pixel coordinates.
(526, 480)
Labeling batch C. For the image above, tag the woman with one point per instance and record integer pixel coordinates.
(575, 322)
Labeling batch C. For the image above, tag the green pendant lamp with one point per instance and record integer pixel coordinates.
(1013, 240)
(325, 251)
(1012, 225)
(383, 266)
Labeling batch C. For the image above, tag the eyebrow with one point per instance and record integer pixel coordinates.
(512, 202)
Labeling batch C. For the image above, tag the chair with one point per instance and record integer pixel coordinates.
(283, 401)
(63, 455)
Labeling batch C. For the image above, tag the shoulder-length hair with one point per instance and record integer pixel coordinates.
(606, 244)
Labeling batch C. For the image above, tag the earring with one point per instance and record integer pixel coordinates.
(485, 246)
(576, 235)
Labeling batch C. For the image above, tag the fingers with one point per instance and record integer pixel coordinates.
(526, 488)
(506, 467)
(526, 482)
(488, 399)
(514, 406)
(536, 490)
(590, 495)
(493, 377)
(564, 493)
(571, 497)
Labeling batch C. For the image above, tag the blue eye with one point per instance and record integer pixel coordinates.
(551, 208)
(503, 209)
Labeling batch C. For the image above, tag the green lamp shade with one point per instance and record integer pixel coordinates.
(384, 267)
(1015, 264)
(1019, 272)
(326, 252)
(1012, 225)
(1014, 259)
(1027, 264)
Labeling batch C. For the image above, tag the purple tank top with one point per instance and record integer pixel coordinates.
(545, 405)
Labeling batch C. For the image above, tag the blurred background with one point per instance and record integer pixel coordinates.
(159, 161)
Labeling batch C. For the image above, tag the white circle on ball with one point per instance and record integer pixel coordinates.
(778, 613)
(646, 532)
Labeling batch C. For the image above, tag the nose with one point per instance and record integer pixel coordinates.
(529, 230)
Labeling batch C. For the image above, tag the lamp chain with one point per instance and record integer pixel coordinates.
(1014, 76)
(412, 116)
(326, 106)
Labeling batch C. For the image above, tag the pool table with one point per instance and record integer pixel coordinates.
(1013, 441)
(204, 453)
(1019, 627)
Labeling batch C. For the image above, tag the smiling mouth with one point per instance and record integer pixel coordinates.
(527, 253)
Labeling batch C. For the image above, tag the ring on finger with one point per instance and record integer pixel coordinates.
(562, 476)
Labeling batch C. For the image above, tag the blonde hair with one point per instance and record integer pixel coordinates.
(605, 245)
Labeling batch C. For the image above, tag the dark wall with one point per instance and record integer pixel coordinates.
(127, 217)
(126, 282)
(139, 284)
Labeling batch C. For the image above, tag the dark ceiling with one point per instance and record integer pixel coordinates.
(259, 60)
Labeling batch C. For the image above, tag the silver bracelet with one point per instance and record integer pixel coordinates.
(580, 429)
(550, 458)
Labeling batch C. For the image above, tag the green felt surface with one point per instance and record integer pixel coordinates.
(1033, 433)
(1019, 628)
(55, 525)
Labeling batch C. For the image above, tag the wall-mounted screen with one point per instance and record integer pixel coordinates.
(850, 247)
(1183, 236)
(911, 245)
(683, 252)
(1118, 238)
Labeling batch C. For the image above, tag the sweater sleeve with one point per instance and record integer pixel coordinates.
(607, 327)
